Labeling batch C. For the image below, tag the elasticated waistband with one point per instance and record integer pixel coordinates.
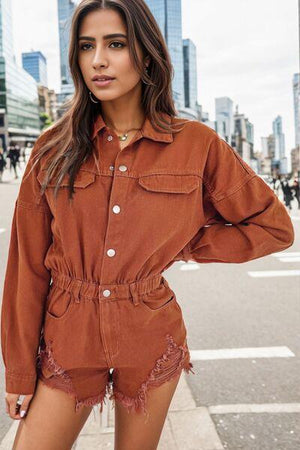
(90, 290)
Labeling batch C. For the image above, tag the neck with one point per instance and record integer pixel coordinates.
(123, 114)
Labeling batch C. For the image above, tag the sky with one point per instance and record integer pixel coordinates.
(247, 50)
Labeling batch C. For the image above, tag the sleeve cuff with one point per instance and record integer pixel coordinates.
(20, 384)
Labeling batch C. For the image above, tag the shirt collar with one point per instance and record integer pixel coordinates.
(147, 129)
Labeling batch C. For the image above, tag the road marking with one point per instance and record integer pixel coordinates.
(290, 259)
(246, 352)
(255, 408)
(2, 230)
(280, 254)
(274, 273)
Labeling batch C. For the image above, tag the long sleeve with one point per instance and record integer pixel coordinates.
(245, 218)
(26, 284)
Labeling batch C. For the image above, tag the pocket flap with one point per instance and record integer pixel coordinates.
(82, 180)
(181, 184)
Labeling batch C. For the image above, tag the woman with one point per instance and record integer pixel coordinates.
(115, 192)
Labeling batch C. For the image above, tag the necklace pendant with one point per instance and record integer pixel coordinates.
(123, 137)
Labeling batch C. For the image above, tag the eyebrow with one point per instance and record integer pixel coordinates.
(107, 36)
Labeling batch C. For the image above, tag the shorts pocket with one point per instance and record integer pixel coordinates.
(59, 303)
(159, 303)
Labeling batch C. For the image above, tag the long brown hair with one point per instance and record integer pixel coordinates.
(71, 134)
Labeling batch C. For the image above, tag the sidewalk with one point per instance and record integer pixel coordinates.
(187, 427)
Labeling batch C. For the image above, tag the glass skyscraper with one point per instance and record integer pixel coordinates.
(65, 12)
(190, 74)
(224, 118)
(279, 138)
(296, 88)
(36, 65)
(19, 108)
(168, 16)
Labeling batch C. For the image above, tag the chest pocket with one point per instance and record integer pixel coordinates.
(170, 183)
(82, 180)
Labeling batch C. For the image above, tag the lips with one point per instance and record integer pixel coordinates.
(101, 78)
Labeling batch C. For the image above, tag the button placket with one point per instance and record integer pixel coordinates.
(115, 224)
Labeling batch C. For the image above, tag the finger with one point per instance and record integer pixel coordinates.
(13, 409)
(25, 406)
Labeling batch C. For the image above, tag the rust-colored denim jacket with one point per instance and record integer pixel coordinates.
(163, 198)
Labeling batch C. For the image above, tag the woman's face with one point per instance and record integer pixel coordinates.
(99, 54)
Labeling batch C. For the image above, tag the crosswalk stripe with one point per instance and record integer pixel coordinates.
(246, 352)
(255, 408)
(290, 259)
(280, 254)
(274, 273)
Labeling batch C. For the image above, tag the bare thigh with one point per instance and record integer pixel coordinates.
(131, 431)
(51, 422)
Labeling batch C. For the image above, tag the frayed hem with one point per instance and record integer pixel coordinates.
(176, 355)
(92, 401)
(63, 381)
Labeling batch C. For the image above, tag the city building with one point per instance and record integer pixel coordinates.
(65, 13)
(36, 65)
(224, 118)
(169, 19)
(279, 157)
(268, 146)
(243, 139)
(296, 90)
(48, 102)
(19, 105)
(295, 161)
(204, 118)
(190, 74)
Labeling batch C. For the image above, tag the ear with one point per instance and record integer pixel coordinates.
(147, 61)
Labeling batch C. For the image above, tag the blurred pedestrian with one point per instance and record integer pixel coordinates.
(23, 153)
(287, 193)
(2, 163)
(295, 188)
(276, 184)
(14, 155)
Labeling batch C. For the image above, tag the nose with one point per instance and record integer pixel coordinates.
(99, 59)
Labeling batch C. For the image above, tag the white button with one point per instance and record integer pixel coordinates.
(116, 209)
(106, 292)
(111, 252)
(111, 167)
(122, 168)
(109, 137)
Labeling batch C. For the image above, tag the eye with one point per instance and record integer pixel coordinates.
(115, 42)
(82, 46)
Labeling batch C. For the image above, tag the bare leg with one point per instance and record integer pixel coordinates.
(51, 422)
(131, 431)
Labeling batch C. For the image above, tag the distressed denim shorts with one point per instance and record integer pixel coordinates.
(121, 344)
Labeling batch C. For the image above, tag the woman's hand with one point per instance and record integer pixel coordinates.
(14, 407)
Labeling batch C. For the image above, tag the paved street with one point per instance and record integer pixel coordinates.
(243, 333)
